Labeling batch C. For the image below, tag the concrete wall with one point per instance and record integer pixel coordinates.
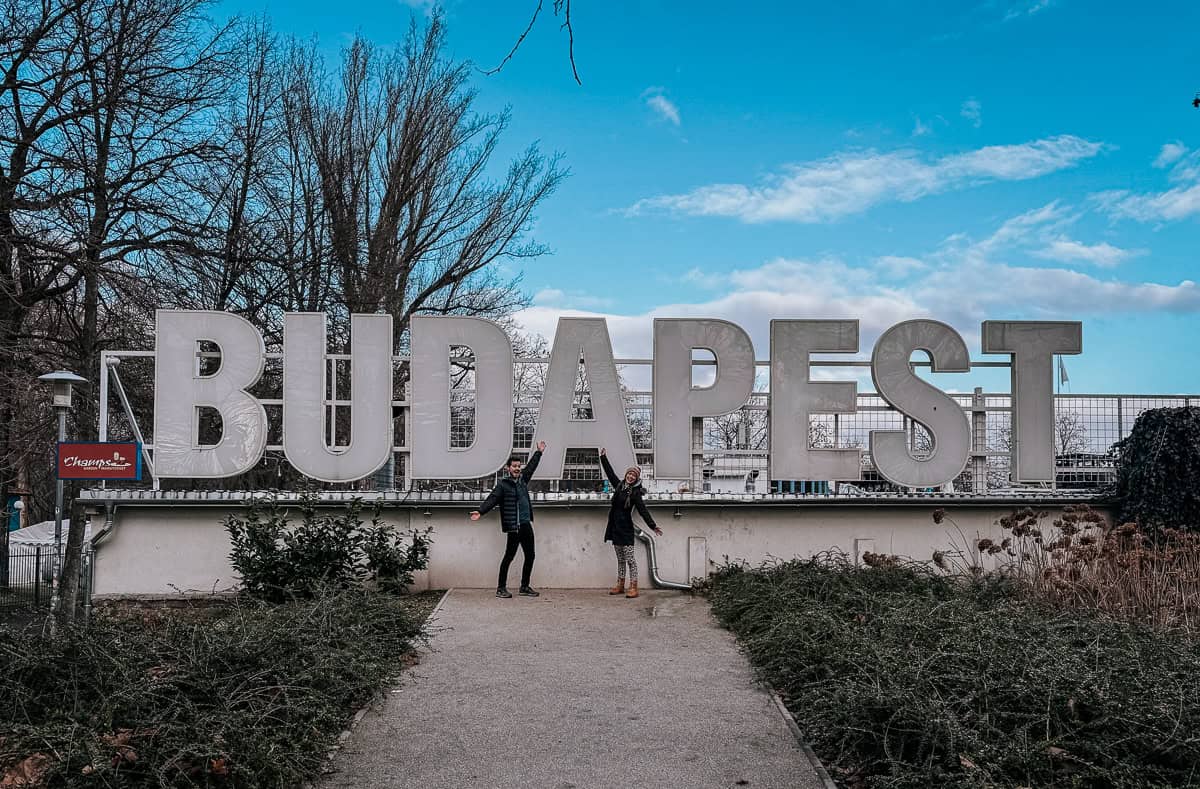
(165, 550)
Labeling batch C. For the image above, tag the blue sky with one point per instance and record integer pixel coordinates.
(962, 161)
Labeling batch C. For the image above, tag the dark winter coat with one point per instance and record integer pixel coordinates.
(507, 493)
(620, 530)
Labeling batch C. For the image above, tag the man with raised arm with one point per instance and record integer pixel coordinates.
(516, 519)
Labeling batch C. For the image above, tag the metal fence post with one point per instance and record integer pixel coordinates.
(37, 575)
(86, 581)
(697, 454)
(978, 442)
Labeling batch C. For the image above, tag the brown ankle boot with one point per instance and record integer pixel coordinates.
(632, 589)
(619, 588)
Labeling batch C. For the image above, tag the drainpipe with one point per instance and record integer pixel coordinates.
(110, 508)
(658, 583)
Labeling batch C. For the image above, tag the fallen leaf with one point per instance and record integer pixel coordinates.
(120, 738)
(966, 763)
(30, 772)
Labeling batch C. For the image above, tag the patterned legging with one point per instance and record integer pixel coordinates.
(625, 557)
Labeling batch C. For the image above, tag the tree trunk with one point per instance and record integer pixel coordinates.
(11, 318)
(68, 594)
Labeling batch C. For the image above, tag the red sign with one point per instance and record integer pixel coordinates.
(99, 460)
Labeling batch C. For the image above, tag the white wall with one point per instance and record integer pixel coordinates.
(160, 550)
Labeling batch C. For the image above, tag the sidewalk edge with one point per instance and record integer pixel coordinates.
(818, 768)
(344, 735)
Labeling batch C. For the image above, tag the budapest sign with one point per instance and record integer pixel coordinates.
(181, 389)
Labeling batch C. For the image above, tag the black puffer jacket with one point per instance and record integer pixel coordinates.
(620, 529)
(506, 494)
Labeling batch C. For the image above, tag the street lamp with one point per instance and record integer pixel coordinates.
(63, 383)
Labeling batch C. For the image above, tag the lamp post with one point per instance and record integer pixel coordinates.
(63, 383)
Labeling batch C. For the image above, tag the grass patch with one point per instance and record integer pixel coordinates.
(902, 677)
(245, 694)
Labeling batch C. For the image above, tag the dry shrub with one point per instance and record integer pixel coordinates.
(1080, 561)
(242, 695)
(903, 677)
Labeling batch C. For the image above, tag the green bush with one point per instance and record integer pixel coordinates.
(1158, 470)
(278, 559)
(900, 677)
(245, 695)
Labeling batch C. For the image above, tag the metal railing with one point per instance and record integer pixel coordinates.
(730, 453)
(27, 580)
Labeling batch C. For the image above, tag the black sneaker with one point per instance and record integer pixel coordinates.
(528, 592)
(502, 592)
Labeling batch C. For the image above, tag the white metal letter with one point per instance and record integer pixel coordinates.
(1032, 346)
(794, 396)
(305, 374)
(583, 339)
(431, 455)
(676, 401)
(180, 391)
(918, 399)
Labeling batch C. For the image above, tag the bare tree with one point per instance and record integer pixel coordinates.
(149, 158)
(1070, 433)
(238, 265)
(150, 73)
(106, 120)
(37, 48)
(413, 221)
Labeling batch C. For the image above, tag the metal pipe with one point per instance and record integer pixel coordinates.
(137, 431)
(58, 516)
(109, 511)
(658, 583)
(103, 398)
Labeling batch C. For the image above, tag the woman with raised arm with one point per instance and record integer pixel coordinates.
(627, 494)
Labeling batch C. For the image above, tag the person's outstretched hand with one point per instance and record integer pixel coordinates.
(541, 446)
(475, 515)
(602, 452)
(658, 531)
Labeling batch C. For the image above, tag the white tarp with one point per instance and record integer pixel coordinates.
(43, 534)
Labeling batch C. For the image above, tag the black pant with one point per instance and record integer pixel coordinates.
(524, 538)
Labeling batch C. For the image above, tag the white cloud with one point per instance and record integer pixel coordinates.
(972, 110)
(703, 279)
(1104, 255)
(1022, 230)
(1170, 153)
(1020, 162)
(961, 283)
(850, 183)
(1173, 204)
(1178, 202)
(897, 267)
(1042, 234)
(559, 299)
(426, 7)
(665, 108)
(920, 129)
(1026, 8)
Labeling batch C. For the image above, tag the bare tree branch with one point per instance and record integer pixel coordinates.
(561, 8)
